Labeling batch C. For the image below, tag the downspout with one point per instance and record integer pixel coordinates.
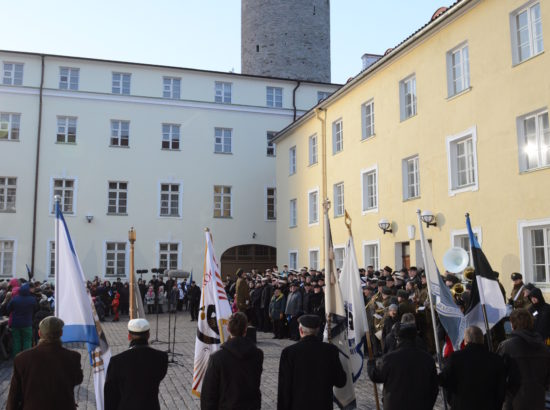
(324, 163)
(36, 167)
(298, 83)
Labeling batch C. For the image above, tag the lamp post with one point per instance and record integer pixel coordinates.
(132, 239)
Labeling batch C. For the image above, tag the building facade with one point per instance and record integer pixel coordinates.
(452, 120)
(167, 150)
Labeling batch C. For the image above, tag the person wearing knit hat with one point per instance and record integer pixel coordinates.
(45, 376)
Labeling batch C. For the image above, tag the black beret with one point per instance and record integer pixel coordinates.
(310, 321)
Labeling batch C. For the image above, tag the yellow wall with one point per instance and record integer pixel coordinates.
(500, 93)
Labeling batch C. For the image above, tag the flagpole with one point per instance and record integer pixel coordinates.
(436, 339)
(57, 199)
(132, 239)
(347, 221)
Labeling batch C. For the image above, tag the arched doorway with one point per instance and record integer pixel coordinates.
(247, 257)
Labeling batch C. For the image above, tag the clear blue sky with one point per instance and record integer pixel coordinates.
(201, 34)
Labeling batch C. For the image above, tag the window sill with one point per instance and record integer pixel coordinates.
(369, 211)
(292, 226)
(368, 138)
(313, 164)
(222, 217)
(530, 170)
(223, 102)
(271, 220)
(170, 216)
(293, 173)
(467, 188)
(223, 153)
(170, 149)
(118, 146)
(338, 216)
(408, 118)
(527, 59)
(411, 199)
(10, 140)
(316, 223)
(458, 94)
(270, 156)
(337, 152)
(52, 214)
(7, 211)
(115, 214)
(65, 143)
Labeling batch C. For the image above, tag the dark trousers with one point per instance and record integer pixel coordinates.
(267, 321)
(278, 328)
(194, 309)
(294, 334)
(259, 322)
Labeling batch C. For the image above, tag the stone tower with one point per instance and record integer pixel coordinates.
(286, 38)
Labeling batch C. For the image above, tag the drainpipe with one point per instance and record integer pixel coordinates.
(323, 138)
(36, 166)
(298, 83)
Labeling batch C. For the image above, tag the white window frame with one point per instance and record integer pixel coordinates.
(337, 262)
(8, 190)
(452, 169)
(313, 149)
(293, 213)
(524, 227)
(267, 199)
(171, 87)
(533, 51)
(160, 253)
(271, 146)
(313, 221)
(170, 130)
(120, 132)
(404, 85)
(366, 244)
(221, 95)
(117, 198)
(50, 258)
(292, 160)
(455, 84)
(337, 136)
(274, 97)
(14, 258)
(11, 122)
(520, 123)
(339, 204)
(456, 233)
(223, 195)
(12, 78)
(126, 259)
(367, 120)
(180, 199)
(364, 209)
(223, 140)
(118, 83)
(416, 176)
(313, 265)
(69, 78)
(75, 191)
(290, 262)
(64, 125)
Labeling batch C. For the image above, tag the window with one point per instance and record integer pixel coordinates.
(461, 239)
(68, 78)
(13, 74)
(171, 136)
(339, 199)
(411, 178)
(371, 254)
(313, 154)
(337, 136)
(292, 160)
(293, 212)
(168, 255)
(223, 92)
(407, 92)
(293, 259)
(534, 141)
(461, 151)
(222, 201)
(271, 204)
(115, 259)
(458, 70)
(8, 191)
(9, 126)
(51, 258)
(121, 83)
(321, 95)
(170, 199)
(7, 256)
(313, 207)
(314, 259)
(66, 130)
(222, 143)
(274, 97)
(270, 144)
(367, 110)
(339, 253)
(65, 188)
(171, 87)
(369, 187)
(120, 133)
(118, 198)
(526, 30)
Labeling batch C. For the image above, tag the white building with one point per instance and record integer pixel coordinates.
(166, 150)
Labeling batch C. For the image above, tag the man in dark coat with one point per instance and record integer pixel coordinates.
(308, 370)
(408, 373)
(232, 379)
(134, 376)
(22, 308)
(44, 377)
(194, 297)
(541, 312)
(475, 379)
(529, 364)
(267, 293)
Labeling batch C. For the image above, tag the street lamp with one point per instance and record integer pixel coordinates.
(428, 218)
(385, 225)
(132, 240)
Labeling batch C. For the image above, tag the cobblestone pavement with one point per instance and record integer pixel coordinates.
(175, 389)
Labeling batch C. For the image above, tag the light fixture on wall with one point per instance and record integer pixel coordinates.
(385, 225)
(89, 218)
(253, 235)
(428, 218)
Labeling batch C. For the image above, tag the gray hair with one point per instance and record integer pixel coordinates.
(473, 334)
(308, 331)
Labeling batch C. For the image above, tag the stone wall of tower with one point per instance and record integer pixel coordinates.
(286, 38)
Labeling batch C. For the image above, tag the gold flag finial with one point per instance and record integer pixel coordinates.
(347, 220)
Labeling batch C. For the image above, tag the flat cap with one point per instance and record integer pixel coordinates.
(51, 327)
(310, 321)
(138, 326)
(516, 276)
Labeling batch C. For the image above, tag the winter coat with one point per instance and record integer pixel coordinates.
(22, 306)
(316, 304)
(232, 379)
(277, 306)
(150, 298)
(530, 365)
(242, 295)
(265, 300)
(541, 313)
(294, 304)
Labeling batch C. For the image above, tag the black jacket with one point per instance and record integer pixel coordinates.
(541, 313)
(409, 377)
(475, 379)
(307, 372)
(232, 379)
(133, 378)
(529, 370)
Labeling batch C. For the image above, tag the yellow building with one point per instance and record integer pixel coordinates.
(452, 120)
